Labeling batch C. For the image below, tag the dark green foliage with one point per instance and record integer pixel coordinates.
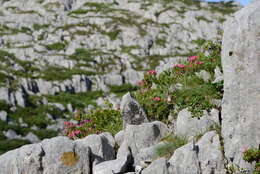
(253, 155)
(78, 100)
(122, 89)
(58, 46)
(100, 120)
(45, 133)
(6, 145)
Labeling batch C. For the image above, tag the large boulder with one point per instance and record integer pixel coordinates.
(102, 146)
(203, 157)
(145, 135)
(241, 103)
(52, 156)
(189, 126)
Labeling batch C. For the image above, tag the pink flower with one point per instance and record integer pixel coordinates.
(156, 99)
(193, 58)
(141, 83)
(179, 66)
(152, 72)
(72, 134)
(76, 132)
(244, 149)
(199, 63)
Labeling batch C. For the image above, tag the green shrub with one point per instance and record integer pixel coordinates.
(253, 155)
(160, 94)
(6, 145)
(100, 120)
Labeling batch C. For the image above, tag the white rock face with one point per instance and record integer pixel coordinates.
(203, 157)
(188, 126)
(241, 103)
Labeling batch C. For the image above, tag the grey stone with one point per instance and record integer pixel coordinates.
(218, 75)
(119, 165)
(158, 166)
(188, 126)
(147, 155)
(204, 75)
(119, 137)
(203, 157)
(3, 115)
(241, 107)
(102, 146)
(32, 137)
(144, 135)
(53, 156)
(132, 112)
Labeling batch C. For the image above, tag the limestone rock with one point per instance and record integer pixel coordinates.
(102, 146)
(132, 112)
(158, 166)
(188, 126)
(203, 157)
(241, 106)
(144, 135)
(3, 115)
(53, 156)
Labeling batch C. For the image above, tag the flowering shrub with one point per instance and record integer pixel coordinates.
(98, 121)
(179, 87)
(252, 155)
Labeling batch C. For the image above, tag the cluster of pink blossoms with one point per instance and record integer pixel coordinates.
(156, 99)
(152, 72)
(192, 59)
(74, 133)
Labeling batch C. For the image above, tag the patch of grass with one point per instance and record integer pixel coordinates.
(45, 133)
(172, 142)
(203, 18)
(40, 26)
(122, 89)
(78, 100)
(58, 46)
(7, 145)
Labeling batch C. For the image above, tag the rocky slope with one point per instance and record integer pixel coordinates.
(61, 55)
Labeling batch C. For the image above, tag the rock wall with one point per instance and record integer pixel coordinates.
(241, 65)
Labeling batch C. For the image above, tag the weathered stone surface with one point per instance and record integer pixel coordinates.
(158, 166)
(52, 156)
(132, 112)
(119, 165)
(3, 115)
(148, 154)
(187, 126)
(119, 137)
(241, 103)
(144, 135)
(102, 146)
(203, 157)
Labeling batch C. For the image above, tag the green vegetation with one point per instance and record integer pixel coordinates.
(122, 89)
(100, 120)
(179, 87)
(58, 46)
(253, 155)
(202, 18)
(6, 145)
(172, 142)
(78, 100)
